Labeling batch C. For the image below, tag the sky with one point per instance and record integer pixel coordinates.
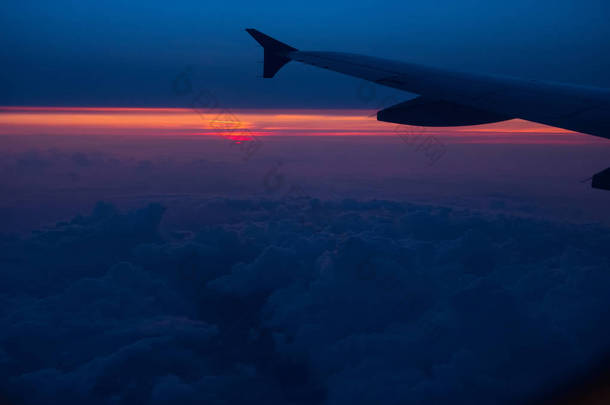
(269, 241)
(127, 53)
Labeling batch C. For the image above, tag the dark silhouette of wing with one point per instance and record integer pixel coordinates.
(482, 98)
(457, 98)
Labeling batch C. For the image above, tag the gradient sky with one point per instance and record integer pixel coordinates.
(126, 53)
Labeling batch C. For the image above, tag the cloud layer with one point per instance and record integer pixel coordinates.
(300, 301)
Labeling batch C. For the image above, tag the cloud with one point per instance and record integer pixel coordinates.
(300, 301)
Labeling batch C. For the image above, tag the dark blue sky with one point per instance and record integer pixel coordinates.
(125, 53)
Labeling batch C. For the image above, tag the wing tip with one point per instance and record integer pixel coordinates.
(276, 52)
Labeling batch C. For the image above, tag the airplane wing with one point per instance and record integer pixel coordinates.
(449, 98)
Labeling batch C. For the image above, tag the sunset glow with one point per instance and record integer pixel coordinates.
(244, 124)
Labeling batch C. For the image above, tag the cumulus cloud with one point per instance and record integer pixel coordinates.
(300, 301)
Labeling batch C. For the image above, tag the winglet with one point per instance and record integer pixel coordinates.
(275, 52)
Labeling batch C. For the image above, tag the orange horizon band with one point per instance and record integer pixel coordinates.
(169, 121)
